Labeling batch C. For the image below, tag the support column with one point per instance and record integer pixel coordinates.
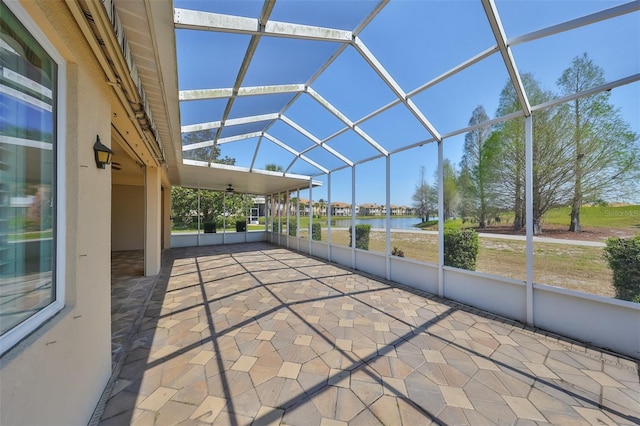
(267, 201)
(166, 218)
(353, 217)
(388, 206)
(199, 219)
(298, 219)
(329, 217)
(278, 207)
(528, 143)
(310, 212)
(288, 204)
(440, 220)
(224, 216)
(152, 223)
(247, 215)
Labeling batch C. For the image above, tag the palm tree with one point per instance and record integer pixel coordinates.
(322, 205)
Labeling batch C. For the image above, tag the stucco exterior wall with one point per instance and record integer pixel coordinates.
(56, 375)
(127, 214)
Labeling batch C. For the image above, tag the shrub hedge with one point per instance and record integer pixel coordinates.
(461, 248)
(623, 256)
(241, 225)
(397, 252)
(362, 236)
(316, 232)
(293, 227)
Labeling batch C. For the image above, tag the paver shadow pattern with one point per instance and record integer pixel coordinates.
(258, 334)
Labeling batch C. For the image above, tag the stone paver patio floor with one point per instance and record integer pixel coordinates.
(254, 333)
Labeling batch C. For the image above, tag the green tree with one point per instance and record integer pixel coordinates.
(184, 207)
(510, 167)
(551, 171)
(478, 170)
(208, 153)
(425, 197)
(187, 203)
(213, 206)
(451, 193)
(273, 167)
(604, 150)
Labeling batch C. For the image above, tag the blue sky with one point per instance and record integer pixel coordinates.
(415, 41)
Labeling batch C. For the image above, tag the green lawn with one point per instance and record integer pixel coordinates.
(574, 267)
(598, 216)
(619, 217)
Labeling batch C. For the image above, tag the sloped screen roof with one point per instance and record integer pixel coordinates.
(317, 86)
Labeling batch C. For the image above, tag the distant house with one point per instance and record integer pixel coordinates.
(369, 209)
(410, 211)
(320, 208)
(304, 207)
(402, 210)
(340, 209)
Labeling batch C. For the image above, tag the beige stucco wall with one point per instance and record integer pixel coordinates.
(153, 217)
(127, 217)
(56, 375)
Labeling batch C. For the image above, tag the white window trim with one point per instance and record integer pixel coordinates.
(28, 326)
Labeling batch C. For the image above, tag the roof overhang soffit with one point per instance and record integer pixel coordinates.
(102, 29)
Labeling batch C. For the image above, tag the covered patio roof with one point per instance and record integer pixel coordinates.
(241, 179)
(314, 88)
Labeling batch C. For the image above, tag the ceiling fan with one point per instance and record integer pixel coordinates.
(230, 189)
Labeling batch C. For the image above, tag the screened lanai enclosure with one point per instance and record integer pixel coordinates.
(519, 120)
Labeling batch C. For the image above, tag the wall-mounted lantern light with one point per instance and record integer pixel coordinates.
(103, 153)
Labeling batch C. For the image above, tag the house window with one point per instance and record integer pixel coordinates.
(29, 291)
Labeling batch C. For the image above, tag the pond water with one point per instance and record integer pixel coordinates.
(396, 222)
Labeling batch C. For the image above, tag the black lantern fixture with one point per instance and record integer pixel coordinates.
(102, 152)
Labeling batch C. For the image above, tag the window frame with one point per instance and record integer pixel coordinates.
(20, 331)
